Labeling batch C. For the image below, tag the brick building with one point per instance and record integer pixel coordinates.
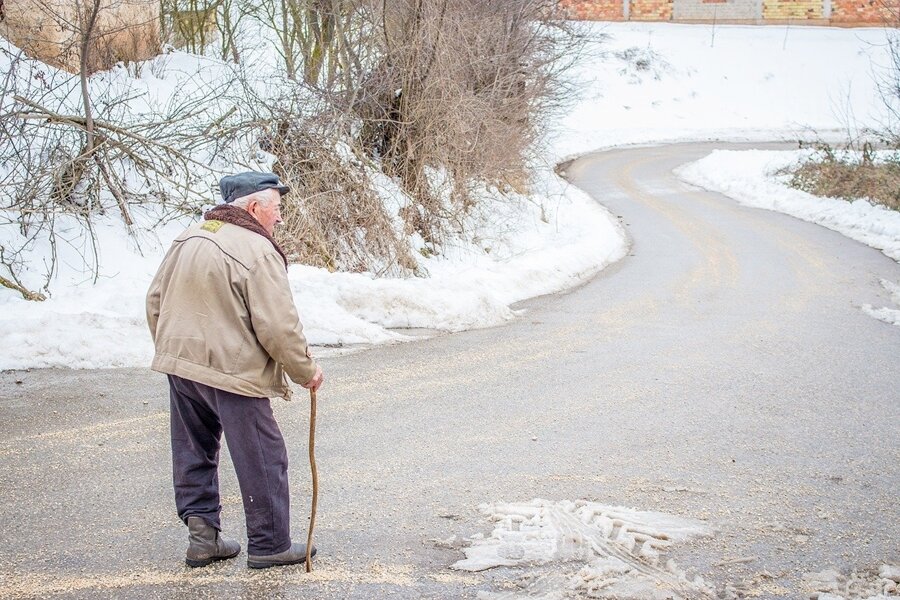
(813, 12)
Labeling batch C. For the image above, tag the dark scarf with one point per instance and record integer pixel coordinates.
(240, 217)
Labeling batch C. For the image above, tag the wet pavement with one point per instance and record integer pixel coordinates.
(722, 371)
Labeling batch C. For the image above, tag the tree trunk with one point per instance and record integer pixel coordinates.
(89, 21)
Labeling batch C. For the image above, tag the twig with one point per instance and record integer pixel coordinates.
(27, 294)
(115, 191)
(219, 121)
(79, 121)
(735, 561)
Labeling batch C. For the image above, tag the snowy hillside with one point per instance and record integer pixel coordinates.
(641, 83)
(658, 82)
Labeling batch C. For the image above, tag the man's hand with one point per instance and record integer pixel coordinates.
(316, 381)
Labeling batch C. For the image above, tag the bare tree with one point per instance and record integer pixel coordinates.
(231, 13)
(64, 156)
(87, 32)
(192, 22)
(441, 95)
(320, 37)
(461, 86)
(889, 78)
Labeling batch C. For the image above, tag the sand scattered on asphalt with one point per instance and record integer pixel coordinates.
(14, 586)
(875, 584)
(93, 431)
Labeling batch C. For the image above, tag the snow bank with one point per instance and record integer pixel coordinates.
(85, 324)
(522, 247)
(515, 254)
(749, 176)
(512, 247)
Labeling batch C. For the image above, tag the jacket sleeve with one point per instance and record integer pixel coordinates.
(153, 303)
(275, 320)
(154, 294)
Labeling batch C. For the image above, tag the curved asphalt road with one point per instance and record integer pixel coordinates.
(723, 371)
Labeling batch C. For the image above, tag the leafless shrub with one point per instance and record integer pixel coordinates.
(60, 160)
(334, 218)
(849, 174)
(445, 91)
(461, 86)
(855, 170)
(441, 95)
(60, 31)
(337, 220)
(231, 14)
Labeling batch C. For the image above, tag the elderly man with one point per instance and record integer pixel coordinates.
(227, 333)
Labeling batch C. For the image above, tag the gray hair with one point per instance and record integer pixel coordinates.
(264, 197)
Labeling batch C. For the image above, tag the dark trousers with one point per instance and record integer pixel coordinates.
(199, 416)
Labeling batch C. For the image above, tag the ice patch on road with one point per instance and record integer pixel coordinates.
(596, 551)
(830, 584)
(886, 314)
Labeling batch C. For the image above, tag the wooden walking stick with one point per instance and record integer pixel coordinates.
(315, 477)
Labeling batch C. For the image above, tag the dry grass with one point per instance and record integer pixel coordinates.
(460, 86)
(452, 95)
(850, 176)
(334, 219)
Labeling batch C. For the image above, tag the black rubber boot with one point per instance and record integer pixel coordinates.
(206, 545)
(294, 555)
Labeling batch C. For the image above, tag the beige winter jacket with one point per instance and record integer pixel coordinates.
(221, 313)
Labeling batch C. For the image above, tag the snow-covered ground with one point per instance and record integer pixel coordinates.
(656, 82)
(642, 83)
